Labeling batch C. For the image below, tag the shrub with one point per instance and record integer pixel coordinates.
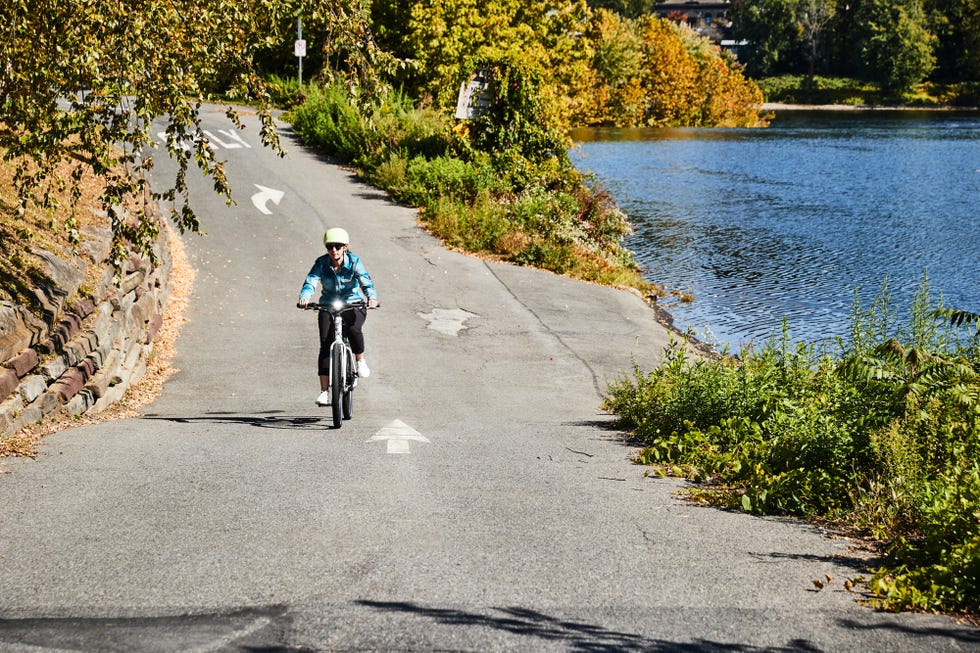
(427, 180)
(328, 120)
(479, 227)
(884, 437)
(368, 135)
(285, 92)
(501, 185)
(390, 174)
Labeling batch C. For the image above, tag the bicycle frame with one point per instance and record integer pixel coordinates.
(343, 368)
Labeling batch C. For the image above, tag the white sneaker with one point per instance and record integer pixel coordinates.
(323, 399)
(363, 370)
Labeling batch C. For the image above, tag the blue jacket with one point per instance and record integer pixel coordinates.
(350, 282)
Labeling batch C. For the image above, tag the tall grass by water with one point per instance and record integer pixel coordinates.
(880, 437)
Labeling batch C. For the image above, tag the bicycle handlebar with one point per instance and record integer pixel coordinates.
(338, 306)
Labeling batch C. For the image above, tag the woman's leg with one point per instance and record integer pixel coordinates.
(353, 322)
(353, 329)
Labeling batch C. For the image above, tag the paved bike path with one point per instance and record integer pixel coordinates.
(230, 516)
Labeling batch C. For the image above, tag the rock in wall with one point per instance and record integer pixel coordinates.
(83, 353)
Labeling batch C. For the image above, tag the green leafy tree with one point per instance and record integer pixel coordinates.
(773, 33)
(956, 24)
(442, 43)
(651, 72)
(444, 39)
(618, 61)
(893, 43)
(813, 18)
(565, 54)
(514, 121)
(390, 20)
(82, 82)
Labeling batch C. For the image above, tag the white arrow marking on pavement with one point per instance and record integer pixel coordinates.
(229, 134)
(398, 434)
(185, 145)
(261, 198)
(234, 135)
(214, 139)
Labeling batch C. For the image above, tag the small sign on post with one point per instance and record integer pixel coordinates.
(474, 96)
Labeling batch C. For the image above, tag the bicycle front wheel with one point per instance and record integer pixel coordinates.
(351, 379)
(338, 372)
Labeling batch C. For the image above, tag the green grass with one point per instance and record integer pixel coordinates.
(800, 89)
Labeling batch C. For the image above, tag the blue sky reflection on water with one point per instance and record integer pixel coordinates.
(787, 221)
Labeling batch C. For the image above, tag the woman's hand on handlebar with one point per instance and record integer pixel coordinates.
(337, 306)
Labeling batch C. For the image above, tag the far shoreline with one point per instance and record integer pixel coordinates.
(779, 106)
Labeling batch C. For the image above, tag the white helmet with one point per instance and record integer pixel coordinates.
(336, 235)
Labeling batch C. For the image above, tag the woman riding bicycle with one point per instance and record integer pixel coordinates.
(340, 275)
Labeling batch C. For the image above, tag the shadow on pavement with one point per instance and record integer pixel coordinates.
(856, 564)
(964, 634)
(571, 635)
(257, 629)
(273, 419)
(602, 423)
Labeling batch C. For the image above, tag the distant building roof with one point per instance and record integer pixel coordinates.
(710, 19)
(692, 7)
(689, 3)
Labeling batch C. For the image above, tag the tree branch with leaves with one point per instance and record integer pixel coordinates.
(89, 81)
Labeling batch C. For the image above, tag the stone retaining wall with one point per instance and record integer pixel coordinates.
(84, 356)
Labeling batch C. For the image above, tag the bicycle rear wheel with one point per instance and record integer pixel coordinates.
(337, 374)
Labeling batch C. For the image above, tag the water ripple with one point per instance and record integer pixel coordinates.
(788, 222)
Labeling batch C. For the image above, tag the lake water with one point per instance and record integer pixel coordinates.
(787, 221)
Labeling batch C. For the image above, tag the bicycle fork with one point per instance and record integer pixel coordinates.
(348, 368)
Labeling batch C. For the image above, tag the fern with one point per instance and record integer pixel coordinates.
(957, 318)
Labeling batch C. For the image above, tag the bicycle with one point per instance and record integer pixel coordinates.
(343, 367)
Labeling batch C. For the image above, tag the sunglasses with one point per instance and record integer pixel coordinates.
(335, 246)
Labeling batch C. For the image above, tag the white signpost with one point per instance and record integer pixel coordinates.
(474, 96)
(299, 47)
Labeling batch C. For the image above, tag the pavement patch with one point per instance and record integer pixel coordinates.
(447, 321)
